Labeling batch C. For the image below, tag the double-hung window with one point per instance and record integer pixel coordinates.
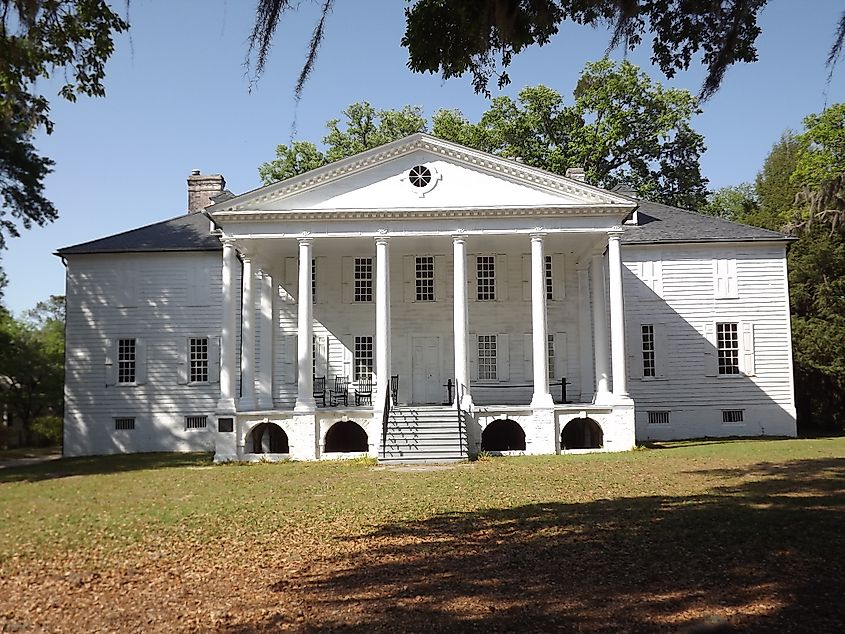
(487, 357)
(548, 278)
(363, 277)
(424, 278)
(727, 345)
(314, 281)
(649, 360)
(198, 359)
(485, 276)
(362, 362)
(551, 349)
(126, 358)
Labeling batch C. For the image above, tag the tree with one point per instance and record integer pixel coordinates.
(774, 186)
(621, 128)
(362, 128)
(32, 363)
(736, 202)
(481, 37)
(40, 39)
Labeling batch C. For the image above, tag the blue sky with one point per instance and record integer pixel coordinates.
(178, 98)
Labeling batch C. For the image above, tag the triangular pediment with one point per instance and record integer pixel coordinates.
(448, 176)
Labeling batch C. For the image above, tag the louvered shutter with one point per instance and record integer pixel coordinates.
(214, 359)
(409, 278)
(182, 361)
(558, 276)
(140, 361)
(289, 359)
(526, 277)
(472, 342)
(348, 279)
(501, 273)
(560, 361)
(711, 367)
(503, 358)
(527, 356)
(661, 359)
(110, 362)
(748, 361)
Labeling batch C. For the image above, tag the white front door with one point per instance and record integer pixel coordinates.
(426, 382)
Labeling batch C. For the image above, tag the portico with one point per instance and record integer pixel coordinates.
(492, 296)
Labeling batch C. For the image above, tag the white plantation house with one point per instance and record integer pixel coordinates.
(424, 301)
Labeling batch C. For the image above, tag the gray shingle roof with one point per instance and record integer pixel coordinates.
(188, 232)
(662, 223)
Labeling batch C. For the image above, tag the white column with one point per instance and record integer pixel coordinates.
(617, 314)
(265, 371)
(305, 333)
(382, 321)
(585, 334)
(600, 330)
(247, 401)
(539, 338)
(461, 322)
(228, 370)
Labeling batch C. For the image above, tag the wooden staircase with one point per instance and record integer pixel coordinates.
(419, 434)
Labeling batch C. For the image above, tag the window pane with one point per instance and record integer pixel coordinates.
(486, 277)
(125, 360)
(198, 354)
(551, 347)
(363, 279)
(363, 358)
(487, 357)
(424, 267)
(549, 280)
(649, 367)
(727, 341)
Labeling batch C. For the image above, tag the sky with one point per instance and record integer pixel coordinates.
(178, 97)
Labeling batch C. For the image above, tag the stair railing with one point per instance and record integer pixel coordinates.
(384, 422)
(459, 412)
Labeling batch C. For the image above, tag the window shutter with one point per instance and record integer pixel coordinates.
(501, 278)
(748, 361)
(527, 356)
(289, 359)
(347, 355)
(561, 363)
(661, 359)
(347, 265)
(503, 358)
(526, 277)
(710, 357)
(472, 342)
(558, 277)
(214, 359)
(322, 365)
(731, 278)
(441, 282)
(140, 361)
(472, 274)
(635, 352)
(409, 277)
(321, 274)
(110, 362)
(291, 270)
(183, 362)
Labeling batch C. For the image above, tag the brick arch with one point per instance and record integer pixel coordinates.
(582, 433)
(503, 434)
(346, 436)
(267, 438)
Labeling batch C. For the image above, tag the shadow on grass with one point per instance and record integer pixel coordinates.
(708, 441)
(91, 465)
(764, 552)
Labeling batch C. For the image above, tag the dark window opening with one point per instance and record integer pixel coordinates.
(268, 438)
(420, 176)
(346, 436)
(503, 435)
(581, 433)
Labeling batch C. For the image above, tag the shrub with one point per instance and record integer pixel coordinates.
(48, 428)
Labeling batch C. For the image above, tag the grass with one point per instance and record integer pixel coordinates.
(746, 532)
(28, 452)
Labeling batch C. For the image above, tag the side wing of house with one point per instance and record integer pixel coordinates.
(142, 361)
(709, 340)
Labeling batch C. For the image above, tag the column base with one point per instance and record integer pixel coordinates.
(466, 403)
(542, 401)
(603, 398)
(305, 406)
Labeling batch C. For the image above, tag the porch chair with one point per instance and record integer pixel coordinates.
(340, 391)
(364, 391)
(394, 388)
(320, 389)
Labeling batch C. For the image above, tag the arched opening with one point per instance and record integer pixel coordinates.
(581, 433)
(346, 436)
(268, 438)
(503, 435)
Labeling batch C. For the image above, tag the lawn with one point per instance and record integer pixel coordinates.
(742, 534)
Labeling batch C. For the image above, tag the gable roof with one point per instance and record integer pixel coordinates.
(420, 141)
(188, 232)
(658, 223)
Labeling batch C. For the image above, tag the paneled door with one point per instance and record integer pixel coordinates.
(426, 382)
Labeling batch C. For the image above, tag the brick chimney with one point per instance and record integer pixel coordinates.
(201, 190)
(575, 173)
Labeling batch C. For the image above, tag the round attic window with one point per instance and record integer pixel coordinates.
(419, 176)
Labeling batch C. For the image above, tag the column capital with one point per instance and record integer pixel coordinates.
(305, 238)
(228, 242)
(614, 233)
(460, 238)
(537, 236)
(382, 240)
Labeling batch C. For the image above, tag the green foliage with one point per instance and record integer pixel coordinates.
(621, 127)
(362, 128)
(32, 353)
(48, 429)
(734, 203)
(68, 38)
